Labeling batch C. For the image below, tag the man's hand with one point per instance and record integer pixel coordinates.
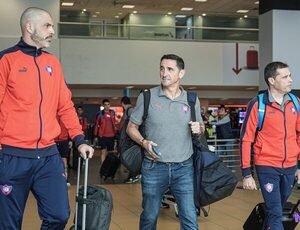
(95, 141)
(148, 146)
(197, 127)
(70, 144)
(249, 183)
(298, 176)
(84, 149)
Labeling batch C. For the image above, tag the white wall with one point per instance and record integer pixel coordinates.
(89, 61)
(279, 41)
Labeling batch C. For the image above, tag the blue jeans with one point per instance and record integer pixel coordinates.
(157, 177)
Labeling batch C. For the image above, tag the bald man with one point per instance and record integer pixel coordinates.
(33, 94)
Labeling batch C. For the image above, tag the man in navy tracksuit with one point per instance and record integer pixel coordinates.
(32, 86)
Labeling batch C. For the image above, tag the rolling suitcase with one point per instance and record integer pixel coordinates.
(110, 166)
(290, 217)
(93, 205)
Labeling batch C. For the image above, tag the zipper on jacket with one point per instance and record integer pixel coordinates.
(284, 121)
(40, 104)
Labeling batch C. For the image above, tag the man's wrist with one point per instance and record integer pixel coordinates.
(141, 141)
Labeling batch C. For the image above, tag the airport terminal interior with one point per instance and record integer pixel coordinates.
(220, 42)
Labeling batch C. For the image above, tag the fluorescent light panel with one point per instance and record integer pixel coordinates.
(186, 9)
(200, 0)
(242, 11)
(128, 6)
(67, 3)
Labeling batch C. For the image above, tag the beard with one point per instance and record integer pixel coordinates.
(40, 40)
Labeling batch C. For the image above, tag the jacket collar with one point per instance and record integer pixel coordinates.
(28, 49)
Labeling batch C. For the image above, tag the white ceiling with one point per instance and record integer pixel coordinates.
(108, 9)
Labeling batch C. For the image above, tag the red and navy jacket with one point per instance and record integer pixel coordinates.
(276, 145)
(64, 135)
(32, 94)
(100, 123)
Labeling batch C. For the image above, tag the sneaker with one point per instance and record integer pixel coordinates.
(132, 180)
(68, 184)
(164, 205)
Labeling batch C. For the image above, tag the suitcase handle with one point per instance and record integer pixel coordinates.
(86, 168)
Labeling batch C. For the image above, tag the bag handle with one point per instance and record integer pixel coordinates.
(191, 97)
(295, 207)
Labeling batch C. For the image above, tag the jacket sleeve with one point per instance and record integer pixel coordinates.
(4, 73)
(298, 134)
(84, 124)
(66, 112)
(247, 136)
(97, 124)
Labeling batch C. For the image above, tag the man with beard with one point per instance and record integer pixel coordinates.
(33, 95)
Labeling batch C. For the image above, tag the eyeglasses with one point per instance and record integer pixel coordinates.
(106, 104)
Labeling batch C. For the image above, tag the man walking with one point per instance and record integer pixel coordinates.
(33, 93)
(168, 127)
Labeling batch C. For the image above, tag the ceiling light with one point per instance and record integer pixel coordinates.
(67, 3)
(128, 6)
(186, 9)
(94, 16)
(120, 13)
(117, 16)
(169, 13)
(242, 11)
(180, 16)
(203, 14)
(97, 12)
(200, 0)
(129, 87)
(134, 12)
(256, 3)
(84, 10)
(245, 16)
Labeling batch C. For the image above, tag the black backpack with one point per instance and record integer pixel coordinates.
(131, 153)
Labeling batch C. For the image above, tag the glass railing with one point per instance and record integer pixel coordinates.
(149, 32)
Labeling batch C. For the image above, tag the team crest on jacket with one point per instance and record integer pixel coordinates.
(49, 70)
(185, 108)
(269, 187)
(293, 110)
(6, 189)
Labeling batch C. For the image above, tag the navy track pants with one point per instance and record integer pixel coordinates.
(45, 178)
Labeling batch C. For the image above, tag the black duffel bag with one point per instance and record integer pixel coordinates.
(213, 181)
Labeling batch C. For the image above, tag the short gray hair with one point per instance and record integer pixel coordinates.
(29, 14)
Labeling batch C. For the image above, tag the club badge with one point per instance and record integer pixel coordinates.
(49, 70)
(6, 189)
(269, 187)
